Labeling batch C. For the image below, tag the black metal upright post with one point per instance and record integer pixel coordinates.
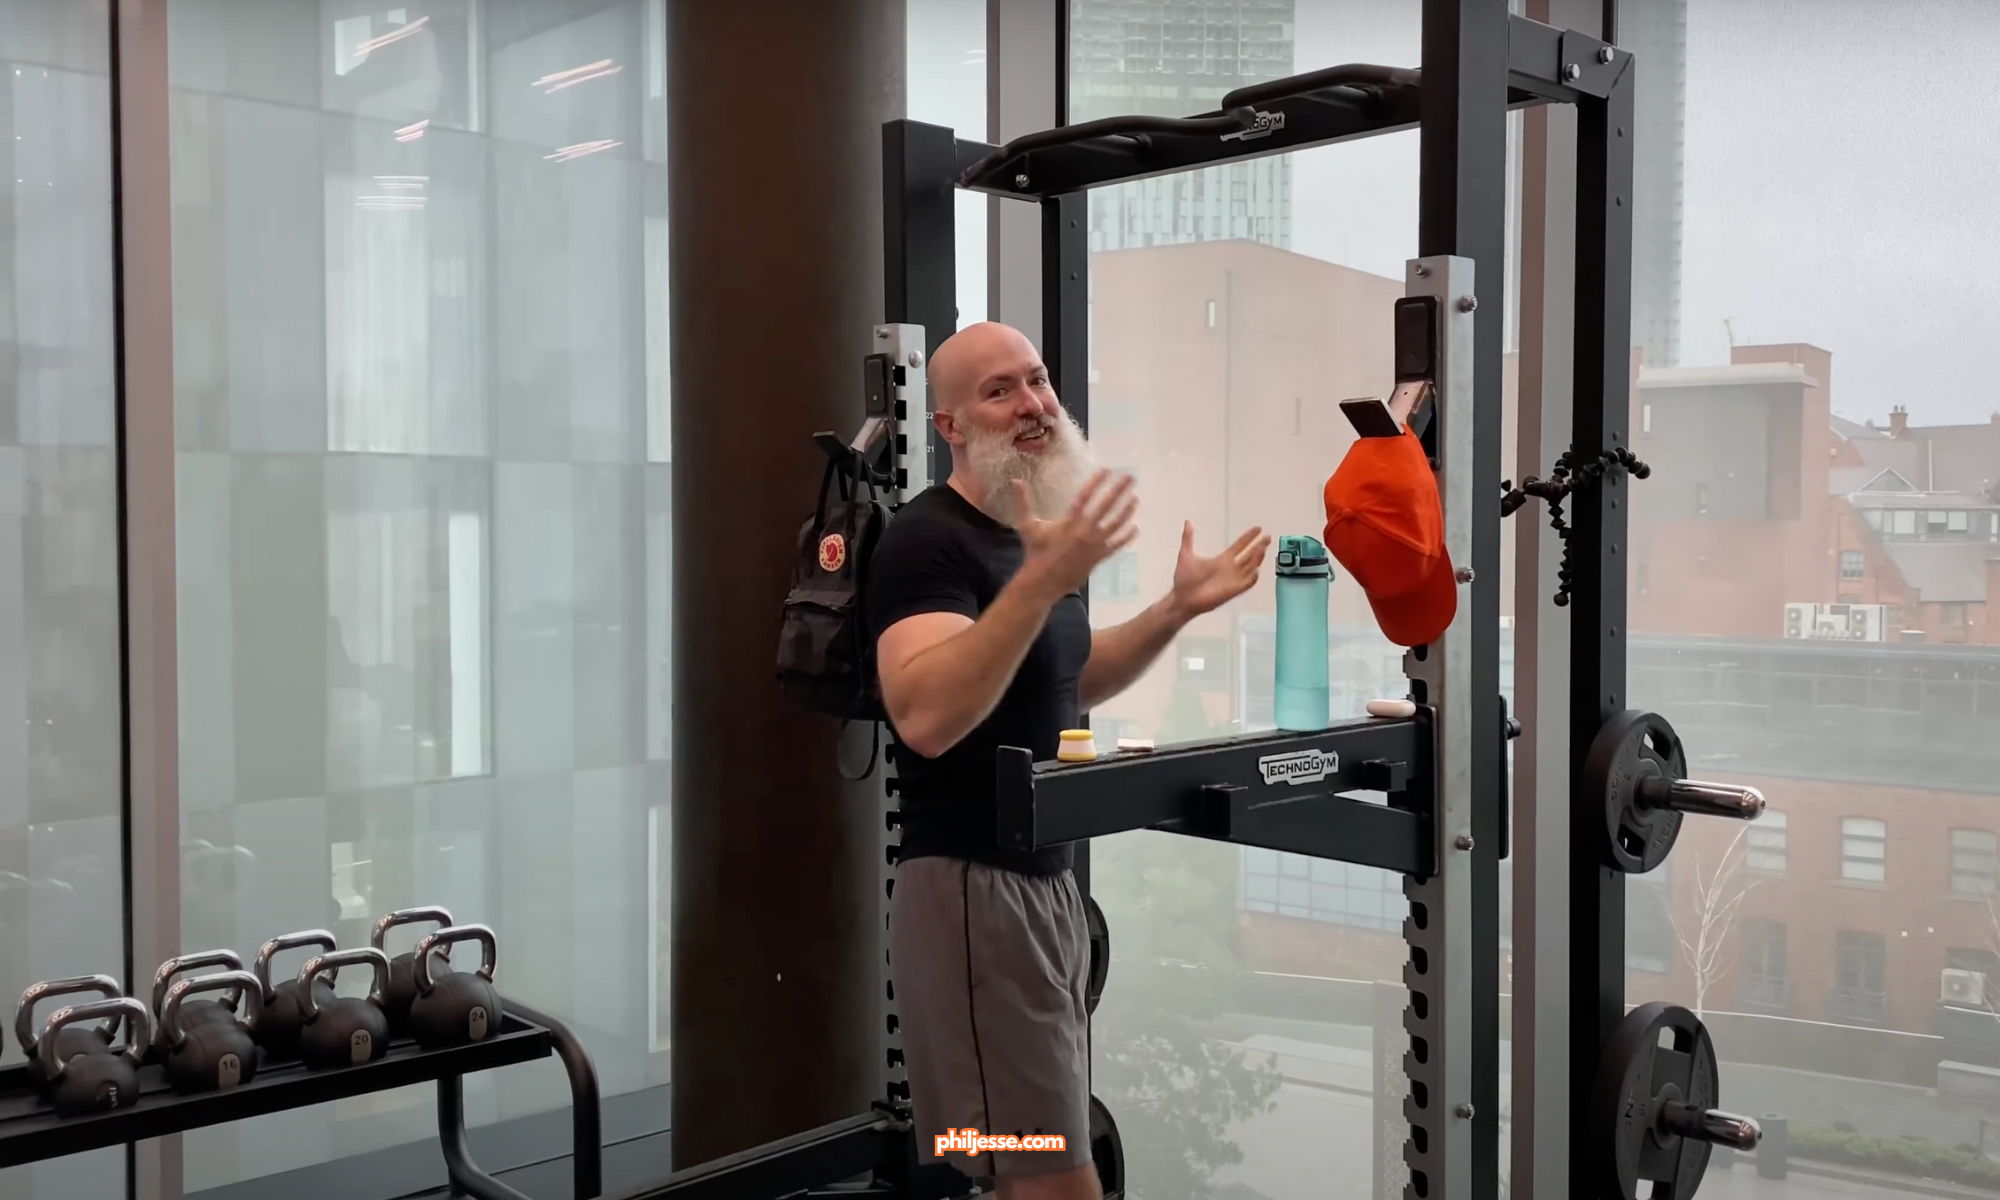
(919, 254)
(1462, 202)
(1066, 338)
(1597, 567)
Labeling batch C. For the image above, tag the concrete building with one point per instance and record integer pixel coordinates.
(1176, 58)
(1219, 372)
(1734, 523)
(1656, 33)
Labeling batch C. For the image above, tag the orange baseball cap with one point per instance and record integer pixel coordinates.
(1385, 524)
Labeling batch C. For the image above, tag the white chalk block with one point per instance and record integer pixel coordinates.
(1392, 708)
(1134, 745)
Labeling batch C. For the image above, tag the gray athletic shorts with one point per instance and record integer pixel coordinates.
(995, 1039)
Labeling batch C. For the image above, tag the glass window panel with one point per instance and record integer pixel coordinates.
(420, 399)
(61, 766)
(1860, 739)
(1326, 900)
(946, 81)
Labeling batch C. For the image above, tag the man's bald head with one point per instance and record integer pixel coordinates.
(980, 357)
(994, 407)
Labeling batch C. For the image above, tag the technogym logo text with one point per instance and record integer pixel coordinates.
(972, 1142)
(1302, 766)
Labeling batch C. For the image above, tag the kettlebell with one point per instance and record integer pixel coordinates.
(456, 1007)
(345, 1030)
(200, 1011)
(402, 986)
(96, 1080)
(211, 1054)
(277, 1026)
(76, 1038)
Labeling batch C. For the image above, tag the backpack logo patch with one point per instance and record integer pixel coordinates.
(832, 552)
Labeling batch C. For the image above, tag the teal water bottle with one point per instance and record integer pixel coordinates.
(1305, 578)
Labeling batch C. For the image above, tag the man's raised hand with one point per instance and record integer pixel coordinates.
(1099, 524)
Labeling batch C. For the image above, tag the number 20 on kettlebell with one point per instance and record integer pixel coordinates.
(347, 1029)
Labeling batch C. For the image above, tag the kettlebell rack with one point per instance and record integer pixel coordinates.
(30, 1131)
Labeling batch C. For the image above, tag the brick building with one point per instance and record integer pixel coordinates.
(1919, 525)
(1218, 368)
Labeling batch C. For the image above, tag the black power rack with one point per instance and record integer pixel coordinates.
(31, 1132)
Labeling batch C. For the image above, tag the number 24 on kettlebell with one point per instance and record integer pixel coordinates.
(458, 1006)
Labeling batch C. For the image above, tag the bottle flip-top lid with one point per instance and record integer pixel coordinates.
(1303, 555)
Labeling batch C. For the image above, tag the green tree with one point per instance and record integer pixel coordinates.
(1170, 903)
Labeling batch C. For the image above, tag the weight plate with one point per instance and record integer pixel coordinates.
(1107, 1151)
(1631, 748)
(1660, 1052)
(1100, 953)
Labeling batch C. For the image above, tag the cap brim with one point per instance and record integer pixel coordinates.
(1420, 616)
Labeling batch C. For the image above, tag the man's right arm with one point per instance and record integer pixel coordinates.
(943, 673)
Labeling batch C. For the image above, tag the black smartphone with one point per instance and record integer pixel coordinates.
(1416, 338)
(1371, 417)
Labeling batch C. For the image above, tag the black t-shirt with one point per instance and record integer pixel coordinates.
(941, 554)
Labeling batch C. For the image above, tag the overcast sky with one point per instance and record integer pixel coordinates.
(1841, 176)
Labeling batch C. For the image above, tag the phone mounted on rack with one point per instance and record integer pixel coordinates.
(1416, 323)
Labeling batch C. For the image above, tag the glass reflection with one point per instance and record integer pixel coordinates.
(61, 772)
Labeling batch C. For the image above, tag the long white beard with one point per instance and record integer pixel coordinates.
(1054, 475)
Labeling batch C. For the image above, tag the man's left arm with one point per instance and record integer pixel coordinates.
(1122, 653)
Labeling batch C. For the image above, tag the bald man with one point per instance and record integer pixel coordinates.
(975, 598)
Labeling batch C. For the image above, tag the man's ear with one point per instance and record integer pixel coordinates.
(946, 427)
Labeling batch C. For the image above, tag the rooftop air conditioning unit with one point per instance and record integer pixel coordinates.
(1837, 622)
(1962, 989)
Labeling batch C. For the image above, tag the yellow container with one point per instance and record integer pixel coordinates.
(1078, 745)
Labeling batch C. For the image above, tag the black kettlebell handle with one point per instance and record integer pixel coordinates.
(138, 1030)
(240, 984)
(291, 941)
(408, 916)
(164, 977)
(420, 963)
(24, 1017)
(321, 964)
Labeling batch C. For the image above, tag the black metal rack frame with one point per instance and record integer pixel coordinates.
(31, 1132)
(1281, 791)
(1458, 101)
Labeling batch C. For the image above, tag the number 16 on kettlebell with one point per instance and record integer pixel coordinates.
(458, 1006)
(345, 1030)
(204, 1056)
